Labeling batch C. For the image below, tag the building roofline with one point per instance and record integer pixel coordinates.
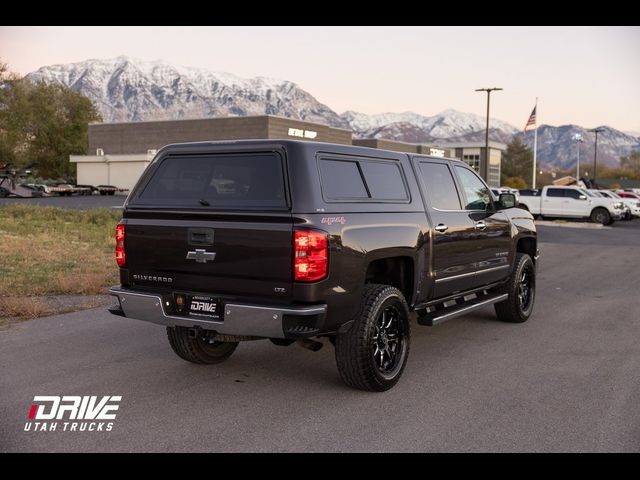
(498, 145)
(223, 118)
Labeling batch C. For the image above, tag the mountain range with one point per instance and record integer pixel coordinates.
(125, 89)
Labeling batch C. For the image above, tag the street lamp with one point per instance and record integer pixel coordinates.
(485, 169)
(578, 139)
(595, 151)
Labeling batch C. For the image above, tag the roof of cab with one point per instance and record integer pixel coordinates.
(297, 144)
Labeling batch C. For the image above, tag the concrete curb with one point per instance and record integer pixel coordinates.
(566, 224)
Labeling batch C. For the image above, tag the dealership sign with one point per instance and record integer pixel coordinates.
(298, 132)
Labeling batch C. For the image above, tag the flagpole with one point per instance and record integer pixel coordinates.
(535, 146)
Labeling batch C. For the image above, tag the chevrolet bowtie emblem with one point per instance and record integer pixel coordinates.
(201, 256)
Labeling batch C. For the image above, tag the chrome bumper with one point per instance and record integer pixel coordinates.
(239, 319)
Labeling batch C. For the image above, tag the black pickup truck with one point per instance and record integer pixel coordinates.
(293, 241)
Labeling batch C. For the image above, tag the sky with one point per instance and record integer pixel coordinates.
(588, 76)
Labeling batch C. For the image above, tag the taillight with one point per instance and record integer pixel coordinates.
(121, 258)
(310, 255)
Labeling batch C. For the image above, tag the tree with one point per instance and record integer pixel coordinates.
(515, 182)
(42, 124)
(631, 163)
(517, 161)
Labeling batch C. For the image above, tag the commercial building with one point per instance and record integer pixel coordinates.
(119, 152)
(474, 154)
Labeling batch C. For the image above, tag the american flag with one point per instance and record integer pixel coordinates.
(532, 118)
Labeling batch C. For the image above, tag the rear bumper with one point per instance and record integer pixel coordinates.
(239, 318)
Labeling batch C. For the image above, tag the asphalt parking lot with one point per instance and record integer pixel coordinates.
(567, 380)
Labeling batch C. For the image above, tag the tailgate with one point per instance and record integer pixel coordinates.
(238, 256)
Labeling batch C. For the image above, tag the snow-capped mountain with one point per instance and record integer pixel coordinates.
(557, 146)
(447, 124)
(124, 89)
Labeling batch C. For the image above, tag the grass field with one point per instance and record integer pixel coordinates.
(53, 251)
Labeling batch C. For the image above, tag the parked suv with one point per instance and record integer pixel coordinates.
(223, 242)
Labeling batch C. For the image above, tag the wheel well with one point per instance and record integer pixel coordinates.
(394, 271)
(599, 208)
(523, 206)
(527, 245)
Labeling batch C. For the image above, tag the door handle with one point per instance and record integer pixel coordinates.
(481, 225)
(441, 227)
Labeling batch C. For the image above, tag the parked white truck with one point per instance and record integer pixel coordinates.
(571, 202)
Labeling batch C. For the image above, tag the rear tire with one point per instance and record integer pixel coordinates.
(372, 354)
(198, 349)
(602, 216)
(521, 288)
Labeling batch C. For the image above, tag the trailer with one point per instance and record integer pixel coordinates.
(68, 190)
(110, 189)
(10, 187)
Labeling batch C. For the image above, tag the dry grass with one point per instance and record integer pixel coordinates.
(84, 283)
(24, 307)
(54, 251)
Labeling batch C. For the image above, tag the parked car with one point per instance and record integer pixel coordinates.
(573, 202)
(310, 240)
(631, 205)
(625, 194)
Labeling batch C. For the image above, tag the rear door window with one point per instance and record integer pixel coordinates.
(555, 192)
(235, 181)
(439, 185)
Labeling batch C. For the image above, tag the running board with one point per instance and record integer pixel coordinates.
(461, 307)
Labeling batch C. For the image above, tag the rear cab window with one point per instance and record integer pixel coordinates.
(359, 179)
(233, 181)
(440, 186)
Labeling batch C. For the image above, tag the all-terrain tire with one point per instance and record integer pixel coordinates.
(521, 290)
(372, 354)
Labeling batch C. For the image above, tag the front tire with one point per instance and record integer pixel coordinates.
(521, 288)
(602, 216)
(372, 354)
(199, 349)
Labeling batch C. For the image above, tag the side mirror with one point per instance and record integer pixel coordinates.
(507, 200)
(582, 197)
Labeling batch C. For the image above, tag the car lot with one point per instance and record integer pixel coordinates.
(565, 381)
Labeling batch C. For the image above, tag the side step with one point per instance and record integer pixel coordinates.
(434, 315)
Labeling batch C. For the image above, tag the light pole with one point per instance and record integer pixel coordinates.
(578, 139)
(595, 152)
(484, 171)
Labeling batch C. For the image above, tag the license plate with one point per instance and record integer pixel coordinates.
(206, 307)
